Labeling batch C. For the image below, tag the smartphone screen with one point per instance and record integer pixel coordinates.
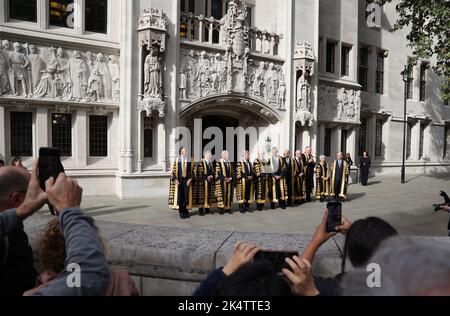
(49, 166)
(334, 216)
(277, 258)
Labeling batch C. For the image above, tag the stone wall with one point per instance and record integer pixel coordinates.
(173, 261)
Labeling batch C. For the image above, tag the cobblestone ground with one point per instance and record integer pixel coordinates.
(407, 207)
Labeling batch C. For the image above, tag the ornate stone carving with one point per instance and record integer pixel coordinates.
(152, 40)
(234, 70)
(339, 104)
(43, 72)
(304, 59)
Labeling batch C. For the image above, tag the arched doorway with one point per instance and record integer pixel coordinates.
(222, 122)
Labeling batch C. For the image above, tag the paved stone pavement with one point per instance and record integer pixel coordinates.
(407, 207)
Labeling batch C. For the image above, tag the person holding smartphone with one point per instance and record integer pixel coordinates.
(358, 249)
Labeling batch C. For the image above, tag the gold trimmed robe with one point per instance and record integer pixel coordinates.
(322, 186)
(224, 191)
(180, 193)
(261, 183)
(245, 188)
(338, 182)
(205, 190)
(277, 189)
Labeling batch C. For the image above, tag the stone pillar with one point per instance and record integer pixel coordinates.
(161, 134)
(336, 137)
(2, 133)
(172, 119)
(351, 143)
(42, 127)
(321, 139)
(128, 87)
(81, 138)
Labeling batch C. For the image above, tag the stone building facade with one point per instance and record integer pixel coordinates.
(111, 82)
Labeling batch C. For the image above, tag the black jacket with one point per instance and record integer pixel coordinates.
(17, 272)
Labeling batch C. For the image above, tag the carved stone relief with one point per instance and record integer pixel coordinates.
(44, 72)
(339, 105)
(234, 69)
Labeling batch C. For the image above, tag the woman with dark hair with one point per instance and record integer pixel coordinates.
(364, 165)
(362, 240)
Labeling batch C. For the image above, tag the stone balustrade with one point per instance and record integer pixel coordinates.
(198, 29)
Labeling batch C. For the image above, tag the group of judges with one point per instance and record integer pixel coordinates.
(279, 180)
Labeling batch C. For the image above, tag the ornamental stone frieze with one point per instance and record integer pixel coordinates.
(339, 104)
(152, 29)
(231, 67)
(47, 73)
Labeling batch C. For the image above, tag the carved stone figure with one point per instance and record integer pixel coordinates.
(96, 89)
(78, 81)
(4, 68)
(358, 105)
(203, 74)
(272, 82)
(61, 85)
(6, 50)
(350, 111)
(114, 70)
(152, 29)
(303, 94)
(188, 73)
(18, 72)
(152, 74)
(258, 81)
(281, 95)
(37, 65)
(342, 103)
(47, 86)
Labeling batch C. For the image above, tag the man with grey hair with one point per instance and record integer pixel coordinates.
(278, 192)
(338, 179)
(17, 273)
(403, 266)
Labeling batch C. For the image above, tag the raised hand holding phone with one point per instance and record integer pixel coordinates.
(50, 166)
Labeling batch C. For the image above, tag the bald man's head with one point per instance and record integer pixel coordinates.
(13, 187)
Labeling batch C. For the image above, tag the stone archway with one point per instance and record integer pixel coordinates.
(250, 119)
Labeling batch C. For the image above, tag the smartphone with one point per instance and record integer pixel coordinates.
(334, 216)
(277, 258)
(49, 166)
